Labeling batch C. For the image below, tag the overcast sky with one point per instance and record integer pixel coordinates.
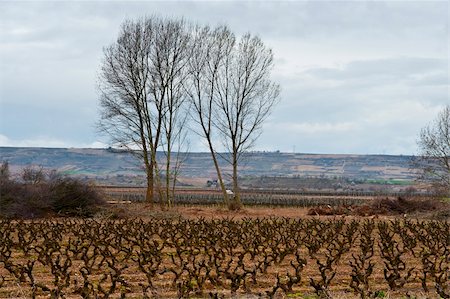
(356, 77)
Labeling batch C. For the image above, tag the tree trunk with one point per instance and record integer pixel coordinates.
(158, 191)
(168, 195)
(236, 191)
(219, 174)
(149, 172)
(149, 196)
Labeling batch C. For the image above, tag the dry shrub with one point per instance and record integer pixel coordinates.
(329, 211)
(23, 201)
(234, 205)
(111, 213)
(73, 197)
(401, 205)
(441, 215)
(387, 206)
(63, 196)
(398, 206)
(367, 210)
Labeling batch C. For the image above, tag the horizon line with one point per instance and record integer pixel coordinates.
(207, 152)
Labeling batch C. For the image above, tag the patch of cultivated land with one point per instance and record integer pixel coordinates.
(109, 166)
(197, 251)
(249, 197)
(146, 212)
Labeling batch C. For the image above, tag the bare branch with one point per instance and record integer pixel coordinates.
(434, 145)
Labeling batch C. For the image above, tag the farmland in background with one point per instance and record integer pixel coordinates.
(266, 170)
(293, 198)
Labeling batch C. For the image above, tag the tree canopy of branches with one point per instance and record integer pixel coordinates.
(140, 85)
(245, 98)
(231, 94)
(434, 145)
(159, 68)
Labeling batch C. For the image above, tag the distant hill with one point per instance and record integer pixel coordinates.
(119, 167)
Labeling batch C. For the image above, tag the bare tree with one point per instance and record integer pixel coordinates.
(245, 99)
(4, 172)
(174, 144)
(171, 59)
(209, 50)
(125, 94)
(33, 175)
(231, 92)
(139, 85)
(434, 145)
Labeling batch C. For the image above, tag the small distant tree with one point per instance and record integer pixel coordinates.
(33, 175)
(4, 171)
(434, 146)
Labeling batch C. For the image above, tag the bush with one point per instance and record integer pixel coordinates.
(54, 195)
(387, 206)
(329, 211)
(234, 205)
(24, 201)
(73, 197)
(400, 205)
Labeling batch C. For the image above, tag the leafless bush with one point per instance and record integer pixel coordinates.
(33, 175)
(328, 210)
(4, 172)
(398, 206)
(39, 196)
(402, 205)
(73, 197)
(24, 201)
(234, 205)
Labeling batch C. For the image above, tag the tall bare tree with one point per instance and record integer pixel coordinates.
(209, 51)
(172, 43)
(231, 93)
(124, 94)
(434, 145)
(139, 85)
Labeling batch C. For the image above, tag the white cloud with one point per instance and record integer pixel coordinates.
(398, 113)
(306, 128)
(4, 141)
(40, 141)
(96, 144)
(45, 141)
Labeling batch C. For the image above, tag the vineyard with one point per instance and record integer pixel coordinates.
(288, 198)
(263, 257)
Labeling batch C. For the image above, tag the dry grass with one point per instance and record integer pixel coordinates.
(415, 207)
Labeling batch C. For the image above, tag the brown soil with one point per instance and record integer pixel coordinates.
(142, 210)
